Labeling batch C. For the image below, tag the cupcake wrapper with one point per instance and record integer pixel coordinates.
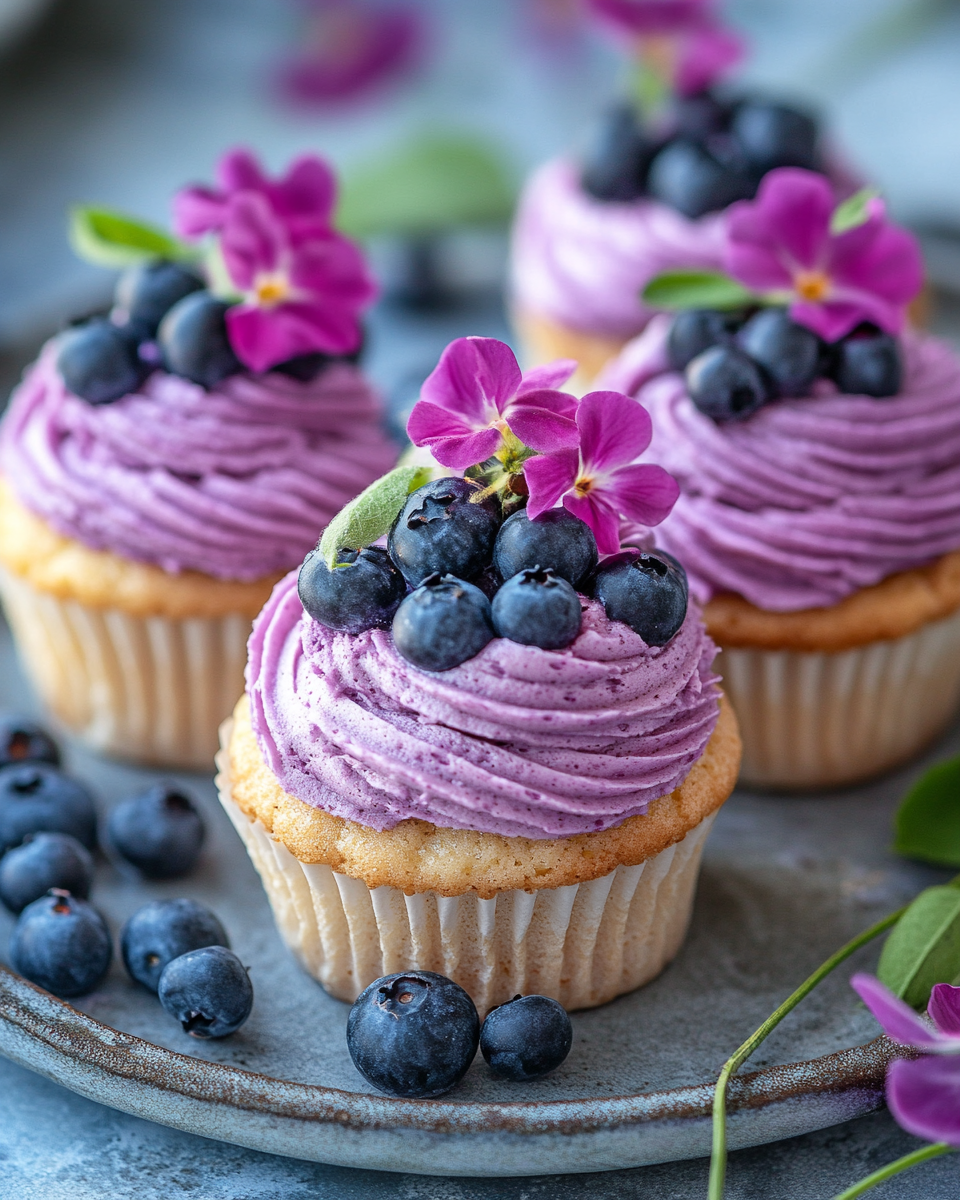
(148, 689)
(811, 719)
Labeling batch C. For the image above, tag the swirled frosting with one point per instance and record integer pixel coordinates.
(584, 262)
(810, 499)
(517, 741)
(236, 482)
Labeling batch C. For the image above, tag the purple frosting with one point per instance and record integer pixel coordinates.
(518, 741)
(236, 482)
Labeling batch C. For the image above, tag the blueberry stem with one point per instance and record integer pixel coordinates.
(934, 1150)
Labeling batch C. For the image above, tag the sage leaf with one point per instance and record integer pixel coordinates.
(927, 824)
(853, 211)
(675, 290)
(112, 239)
(923, 947)
(371, 514)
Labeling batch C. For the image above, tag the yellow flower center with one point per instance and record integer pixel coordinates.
(270, 290)
(583, 485)
(812, 285)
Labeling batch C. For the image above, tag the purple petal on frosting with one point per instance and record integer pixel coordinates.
(463, 452)
(613, 429)
(644, 493)
(924, 1097)
(252, 239)
(944, 1009)
(537, 423)
(898, 1019)
(196, 211)
(551, 376)
(476, 377)
(309, 189)
(548, 476)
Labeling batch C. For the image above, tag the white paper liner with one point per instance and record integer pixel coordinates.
(811, 719)
(148, 689)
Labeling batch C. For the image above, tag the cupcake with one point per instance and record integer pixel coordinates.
(514, 792)
(165, 464)
(817, 447)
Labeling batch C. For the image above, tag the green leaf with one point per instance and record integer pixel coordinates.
(371, 514)
(112, 239)
(853, 211)
(674, 290)
(927, 823)
(924, 946)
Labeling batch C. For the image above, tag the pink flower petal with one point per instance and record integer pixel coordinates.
(551, 375)
(613, 429)
(541, 429)
(548, 476)
(428, 422)
(308, 190)
(602, 518)
(898, 1019)
(476, 377)
(332, 267)
(252, 239)
(707, 53)
(888, 264)
(196, 211)
(240, 170)
(261, 339)
(785, 229)
(944, 1009)
(924, 1097)
(460, 453)
(650, 16)
(644, 493)
(828, 321)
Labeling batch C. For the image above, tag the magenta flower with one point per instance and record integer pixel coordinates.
(476, 394)
(782, 242)
(922, 1093)
(600, 481)
(651, 17)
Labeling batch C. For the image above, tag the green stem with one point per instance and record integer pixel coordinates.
(894, 1168)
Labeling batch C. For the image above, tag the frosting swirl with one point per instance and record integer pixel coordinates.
(517, 741)
(236, 482)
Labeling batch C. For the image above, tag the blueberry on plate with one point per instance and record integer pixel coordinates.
(160, 832)
(62, 944)
(615, 163)
(537, 608)
(161, 931)
(646, 590)
(37, 798)
(443, 528)
(555, 539)
(146, 293)
(696, 179)
(725, 384)
(208, 991)
(26, 741)
(775, 135)
(98, 362)
(789, 353)
(868, 364)
(413, 1034)
(43, 861)
(193, 340)
(442, 623)
(692, 332)
(362, 592)
(526, 1038)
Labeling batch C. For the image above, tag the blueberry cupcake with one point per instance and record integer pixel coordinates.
(493, 747)
(816, 440)
(165, 464)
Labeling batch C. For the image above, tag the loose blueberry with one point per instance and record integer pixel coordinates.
(98, 362)
(775, 135)
(696, 179)
(361, 593)
(868, 365)
(159, 832)
(537, 608)
(62, 944)
(41, 862)
(526, 1038)
(646, 590)
(161, 931)
(725, 384)
(442, 529)
(556, 540)
(146, 293)
(616, 161)
(789, 353)
(193, 340)
(442, 623)
(37, 798)
(208, 991)
(26, 741)
(692, 332)
(413, 1034)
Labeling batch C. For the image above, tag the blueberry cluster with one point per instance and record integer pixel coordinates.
(735, 363)
(455, 575)
(48, 838)
(702, 155)
(415, 1034)
(163, 316)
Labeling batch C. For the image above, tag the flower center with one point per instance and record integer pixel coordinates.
(270, 289)
(812, 285)
(583, 486)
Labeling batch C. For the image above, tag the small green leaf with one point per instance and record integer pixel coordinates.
(853, 211)
(927, 823)
(112, 239)
(371, 514)
(675, 290)
(924, 946)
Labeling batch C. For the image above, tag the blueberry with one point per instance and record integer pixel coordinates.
(26, 741)
(617, 157)
(305, 367)
(161, 931)
(442, 623)
(413, 1034)
(442, 529)
(725, 384)
(868, 365)
(526, 1038)
(62, 944)
(537, 608)
(692, 332)
(193, 340)
(775, 135)
(789, 353)
(698, 116)
(43, 861)
(208, 991)
(556, 539)
(363, 593)
(146, 293)
(37, 798)
(159, 832)
(696, 179)
(646, 590)
(98, 362)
